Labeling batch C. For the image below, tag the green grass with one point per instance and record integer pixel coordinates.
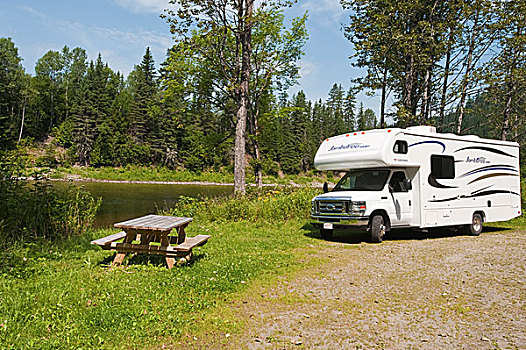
(63, 295)
(143, 173)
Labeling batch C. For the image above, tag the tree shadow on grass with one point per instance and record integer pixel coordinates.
(361, 236)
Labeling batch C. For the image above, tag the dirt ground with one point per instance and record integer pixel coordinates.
(440, 291)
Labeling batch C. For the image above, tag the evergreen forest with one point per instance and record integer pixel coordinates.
(456, 65)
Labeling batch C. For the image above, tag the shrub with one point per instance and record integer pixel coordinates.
(37, 210)
(267, 205)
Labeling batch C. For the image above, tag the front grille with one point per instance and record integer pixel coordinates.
(332, 207)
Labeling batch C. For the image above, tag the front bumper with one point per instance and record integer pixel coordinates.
(344, 222)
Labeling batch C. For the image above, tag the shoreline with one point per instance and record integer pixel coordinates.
(149, 182)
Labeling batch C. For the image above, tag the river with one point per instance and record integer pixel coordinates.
(123, 201)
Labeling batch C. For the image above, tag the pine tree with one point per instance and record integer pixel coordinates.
(366, 119)
(348, 110)
(295, 151)
(144, 89)
(335, 106)
(92, 111)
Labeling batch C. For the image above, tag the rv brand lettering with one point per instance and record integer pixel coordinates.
(349, 146)
(477, 160)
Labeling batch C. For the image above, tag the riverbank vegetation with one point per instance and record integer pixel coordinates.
(164, 174)
(36, 210)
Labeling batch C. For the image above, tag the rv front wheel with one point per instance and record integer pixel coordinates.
(325, 233)
(475, 228)
(377, 228)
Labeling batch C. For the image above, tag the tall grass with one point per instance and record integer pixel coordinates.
(271, 205)
(142, 173)
(37, 210)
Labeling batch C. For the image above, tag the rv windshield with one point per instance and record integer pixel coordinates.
(363, 180)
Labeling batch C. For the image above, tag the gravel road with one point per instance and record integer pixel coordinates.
(413, 291)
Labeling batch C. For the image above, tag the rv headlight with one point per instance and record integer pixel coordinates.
(358, 208)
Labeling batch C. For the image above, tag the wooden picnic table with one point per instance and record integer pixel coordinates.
(151, 234)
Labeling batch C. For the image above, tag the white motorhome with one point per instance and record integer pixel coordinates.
(416, 178)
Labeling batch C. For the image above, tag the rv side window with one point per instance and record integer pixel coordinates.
(443, 167)
(400, 146)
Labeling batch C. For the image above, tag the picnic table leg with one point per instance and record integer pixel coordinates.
(181, 234)
(170, 262)
(165, 242)
(119, 257)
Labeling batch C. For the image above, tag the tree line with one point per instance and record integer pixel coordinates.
(219, 100)
(104, 119)
(459, 65)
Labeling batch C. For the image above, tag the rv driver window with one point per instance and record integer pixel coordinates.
(443, 167)
(363, 180)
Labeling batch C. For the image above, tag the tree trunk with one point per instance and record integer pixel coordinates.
(465, 82)
(259, 173)
(444, 86)
(242, 111)
(22, 124)
(408, 98)
(382, 106)
(425, 99)
(507, 113)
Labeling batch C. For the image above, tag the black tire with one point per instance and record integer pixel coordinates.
(475, 228)
(326, 234)
(377, 228)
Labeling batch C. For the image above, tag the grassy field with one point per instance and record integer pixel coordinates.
(142, 173)
(64, 295)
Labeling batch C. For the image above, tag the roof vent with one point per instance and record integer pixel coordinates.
(423, 128)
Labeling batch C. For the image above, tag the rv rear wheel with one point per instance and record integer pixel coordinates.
(325, 233)
(377, 228)
(475, 228)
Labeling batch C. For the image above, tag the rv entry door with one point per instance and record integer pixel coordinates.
(401, 213)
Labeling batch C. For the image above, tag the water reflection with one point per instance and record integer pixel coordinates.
(123, 201)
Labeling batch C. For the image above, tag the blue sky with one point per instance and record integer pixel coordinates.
(121, 30)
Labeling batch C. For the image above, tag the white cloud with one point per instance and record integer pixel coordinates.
(330, 10)
(307, 68)
(122, 49)
(137, 6)
(141, 38)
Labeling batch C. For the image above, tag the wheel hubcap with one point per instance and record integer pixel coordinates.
(476, 224)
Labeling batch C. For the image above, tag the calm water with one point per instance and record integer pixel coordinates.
(122, 201)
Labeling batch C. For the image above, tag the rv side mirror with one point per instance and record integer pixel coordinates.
(407, 184)
(325, 187)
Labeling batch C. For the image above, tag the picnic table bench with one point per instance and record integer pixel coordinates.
(138, 235)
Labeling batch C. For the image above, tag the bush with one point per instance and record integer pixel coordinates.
(272, 205)
(37, 210)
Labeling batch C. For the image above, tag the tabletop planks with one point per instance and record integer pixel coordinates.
(154, 223)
